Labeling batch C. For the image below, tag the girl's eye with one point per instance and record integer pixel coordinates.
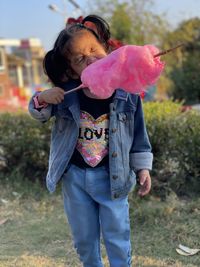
(79, 60)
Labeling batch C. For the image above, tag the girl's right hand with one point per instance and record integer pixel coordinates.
(54, 95)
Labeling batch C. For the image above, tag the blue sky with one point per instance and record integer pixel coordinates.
(33, 18)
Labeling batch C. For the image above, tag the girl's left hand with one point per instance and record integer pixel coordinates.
(145, 182)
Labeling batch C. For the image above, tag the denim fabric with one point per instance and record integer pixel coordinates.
(129, 147)
(90, 210)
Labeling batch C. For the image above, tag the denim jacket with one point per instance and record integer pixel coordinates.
(129, 147)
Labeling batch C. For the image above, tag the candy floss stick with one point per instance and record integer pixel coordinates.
(74, 89)
(130, 67)
(167, 51)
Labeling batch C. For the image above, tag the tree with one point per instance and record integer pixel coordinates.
(184, 67)
(132, 21)
(187, 80)
(121, 24)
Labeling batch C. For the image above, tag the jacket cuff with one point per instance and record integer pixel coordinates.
(141, 161)
(36, 102)
(39, 114)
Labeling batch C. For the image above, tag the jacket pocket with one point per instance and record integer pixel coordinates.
(64, 113)
(62, 124)
(126, 126)
(126, 116)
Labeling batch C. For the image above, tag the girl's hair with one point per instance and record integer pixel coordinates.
(56, 66)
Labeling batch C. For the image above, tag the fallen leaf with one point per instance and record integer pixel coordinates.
(191, 251)
(181, 252)
(4, 201)
(16, 194)
(3, 221)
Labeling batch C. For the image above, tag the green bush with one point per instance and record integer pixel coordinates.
(174, 135)
(24, 147)
(175, 139)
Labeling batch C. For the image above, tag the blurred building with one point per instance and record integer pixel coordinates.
(21, 72)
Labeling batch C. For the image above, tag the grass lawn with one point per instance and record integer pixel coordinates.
(34, 232)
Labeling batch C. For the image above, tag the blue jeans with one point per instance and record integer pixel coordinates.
(90, 211)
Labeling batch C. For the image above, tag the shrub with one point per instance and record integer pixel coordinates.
(24, 146)
(174, 135)
(175, 139)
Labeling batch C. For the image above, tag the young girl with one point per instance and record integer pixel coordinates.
(97, 146)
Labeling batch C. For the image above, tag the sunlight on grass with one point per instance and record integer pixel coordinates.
(43, 261)
(31, 261)
(152, 262)
(34, 232)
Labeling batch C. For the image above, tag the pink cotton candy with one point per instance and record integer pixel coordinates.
(131, 68)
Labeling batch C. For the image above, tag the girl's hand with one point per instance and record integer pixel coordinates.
(145, 182)
(54, 95)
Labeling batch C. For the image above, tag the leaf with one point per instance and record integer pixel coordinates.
(189, 250)
(181, 252)
(4, 201)
(3, 221)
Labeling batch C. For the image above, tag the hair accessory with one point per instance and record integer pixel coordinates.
(114, 43)
(80, 25)
(71, 21)
(91, 26)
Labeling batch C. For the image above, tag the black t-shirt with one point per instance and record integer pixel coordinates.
(92, 145)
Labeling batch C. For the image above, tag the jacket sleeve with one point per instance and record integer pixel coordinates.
(140, 154)
(43, 114)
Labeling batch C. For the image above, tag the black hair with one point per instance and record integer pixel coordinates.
(103, 29)
(55, 64)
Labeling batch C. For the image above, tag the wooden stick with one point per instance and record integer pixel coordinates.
(74, 89)
(167, 51)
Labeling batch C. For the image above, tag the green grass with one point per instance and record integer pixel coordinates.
(36, 233)
(159, 227)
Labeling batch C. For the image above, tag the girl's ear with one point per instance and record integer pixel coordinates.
(72, 74)
(75, 76)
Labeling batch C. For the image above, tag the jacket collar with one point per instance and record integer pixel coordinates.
(121, 94)
(72, 97)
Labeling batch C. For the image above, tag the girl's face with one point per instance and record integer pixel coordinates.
(85, 49)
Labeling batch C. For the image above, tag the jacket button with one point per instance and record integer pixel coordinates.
(114, 130)
(114, 177)
(114, 154)
(124, 118)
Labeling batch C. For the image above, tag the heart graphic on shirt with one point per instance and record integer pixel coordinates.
(93, 138)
